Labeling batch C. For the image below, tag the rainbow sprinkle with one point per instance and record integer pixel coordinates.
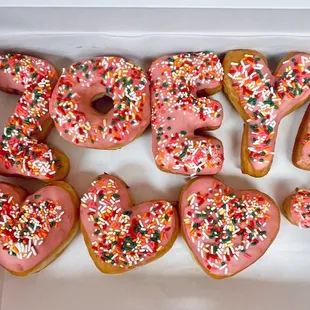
(174, 82)
(24, 227)
(19, 147)
(123, 81)
(266, 98)
(301, 207)
(223, 226)
(125, 238)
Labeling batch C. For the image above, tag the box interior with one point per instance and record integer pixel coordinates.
(280, 280)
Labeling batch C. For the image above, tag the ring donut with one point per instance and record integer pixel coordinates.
(34, 230)
(21, 150)
(80, 124)
(120, 236)
(263, 99)
(226, 230)
(180, 118)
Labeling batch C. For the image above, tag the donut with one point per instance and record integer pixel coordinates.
(119, 236)
(22, 151)
(262, 100)
(296, 208)
(79, 123)
(181, 113)
(35, 229)
(226, 230)
(301, 151)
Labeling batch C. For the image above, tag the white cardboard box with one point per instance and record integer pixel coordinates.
(63, 34)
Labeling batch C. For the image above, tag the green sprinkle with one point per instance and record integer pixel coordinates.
(184, 152)
(156, 236)
(269, 129)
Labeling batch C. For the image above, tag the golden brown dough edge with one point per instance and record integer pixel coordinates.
(75, 227)
(110, 269)
(192, 253)
(231, 94)
(298, 146)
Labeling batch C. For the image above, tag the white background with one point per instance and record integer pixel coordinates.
(280, 280)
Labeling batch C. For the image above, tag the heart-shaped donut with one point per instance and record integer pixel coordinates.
(34, 230)
(296, 208)
(120, 236)
(227, 230)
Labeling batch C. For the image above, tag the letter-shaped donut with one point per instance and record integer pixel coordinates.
(301, 152)
(71, 105)
(21, 152)
(179, 116)
(263, 99)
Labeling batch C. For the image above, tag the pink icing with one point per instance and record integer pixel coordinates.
(266, 99)
(80, 124)
(300, 208)
(56, 235)
(222, 225)
(20, 151)
(177, 112)
(122, 235)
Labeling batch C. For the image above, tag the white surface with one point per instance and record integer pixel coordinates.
(280, 280)
(161, 3)
(143, 20)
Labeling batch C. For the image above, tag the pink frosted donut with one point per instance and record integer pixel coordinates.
(227, 230)
(34, 230)
(22, 152)
(301, 152)
(120, 236)
(296, 208)
(180, 118)
(263, 99)
(79, 123)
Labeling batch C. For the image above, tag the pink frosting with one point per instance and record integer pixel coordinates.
(55, 236)
(80, 124)
(266, 99)
(121, 234)
(20, 151)
(226, 229)
(300, 208)
(177, 113)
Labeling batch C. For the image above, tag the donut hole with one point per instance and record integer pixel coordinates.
(102, 103)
